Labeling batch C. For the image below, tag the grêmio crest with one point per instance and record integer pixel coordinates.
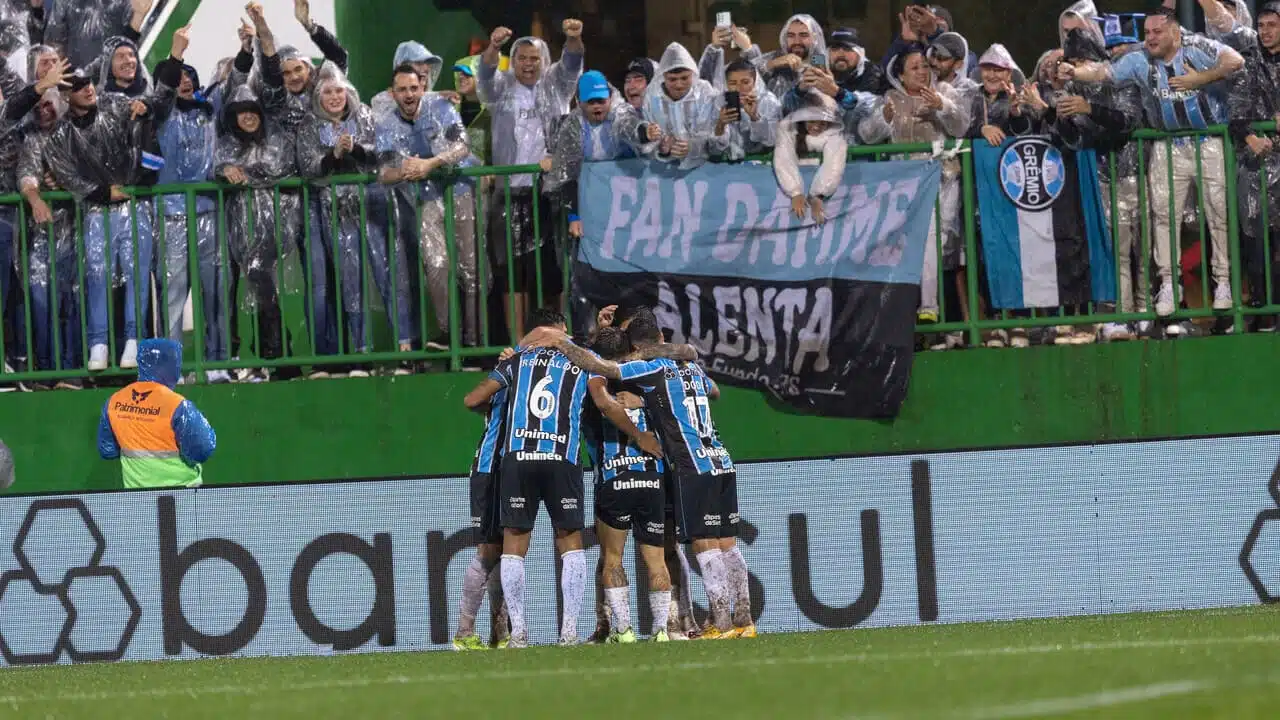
(1032, 173)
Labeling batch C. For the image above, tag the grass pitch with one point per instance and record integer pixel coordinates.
(1222, 664)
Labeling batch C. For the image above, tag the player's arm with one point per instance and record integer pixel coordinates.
(616, 414)
(670, 351)
(588, 360)
(480, 396)
(713, 390)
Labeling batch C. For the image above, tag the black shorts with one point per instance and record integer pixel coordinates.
(706, 506)
(486, 520)
(556, 483)
(633, 501)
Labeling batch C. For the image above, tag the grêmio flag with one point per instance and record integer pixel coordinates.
(821, 316)
(1045, 240)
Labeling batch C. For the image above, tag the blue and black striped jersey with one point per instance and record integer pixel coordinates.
(612, 452)
(490, 448)
(678, 400)
(547, 394)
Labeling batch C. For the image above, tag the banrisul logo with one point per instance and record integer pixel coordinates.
(1032, 173)
(61, 600)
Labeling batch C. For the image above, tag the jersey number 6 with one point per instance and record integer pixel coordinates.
(544, 403)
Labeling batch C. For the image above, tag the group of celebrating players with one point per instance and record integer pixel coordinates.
(642, 408)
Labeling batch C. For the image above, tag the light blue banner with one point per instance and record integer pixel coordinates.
(833, 543)
(734, 221)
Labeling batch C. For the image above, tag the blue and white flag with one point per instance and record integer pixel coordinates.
(1045, 240)
(823, 316)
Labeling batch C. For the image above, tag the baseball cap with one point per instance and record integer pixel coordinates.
(592, 86)
(845, 37)
(1121, 28)
(79, 79)
(464, 69)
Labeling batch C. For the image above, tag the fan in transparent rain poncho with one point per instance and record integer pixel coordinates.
(680, 111)
(1256, 98)
(426, 63)
(801, 42)
(77, 28)
(921, 110)
(53, 269)
(256, 153)
(603, 127)
(16, 25)
(423, 135)
(95, 153)
(748, 126)
(526, 102)
(187, 140)
(290, 102)
(340, 140)
(814, 128)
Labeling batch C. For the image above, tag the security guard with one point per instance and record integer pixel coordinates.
(158, 435)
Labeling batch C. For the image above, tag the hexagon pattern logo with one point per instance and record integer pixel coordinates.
(1260, 556)
(61, 599)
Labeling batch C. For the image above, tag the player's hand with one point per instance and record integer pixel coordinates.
(506, 354)
(648, 442)
(604, 318)
(544, 337)
(630, 400)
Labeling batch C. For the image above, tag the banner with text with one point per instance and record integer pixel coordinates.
(821, 315)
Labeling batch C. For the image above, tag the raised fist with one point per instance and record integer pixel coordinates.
(572, 28)
(499, 37)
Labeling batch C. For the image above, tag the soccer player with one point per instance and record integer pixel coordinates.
(678, 395)
(546, 396)
(487, 528)
(629, 496)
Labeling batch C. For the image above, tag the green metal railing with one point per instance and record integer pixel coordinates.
(492, 195)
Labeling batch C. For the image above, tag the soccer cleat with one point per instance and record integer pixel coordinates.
(626, 637)
(516, 642)
(469, 642)
(660, 636)
(748, 632)
(712, 632)
(503, 643)
(599, 637)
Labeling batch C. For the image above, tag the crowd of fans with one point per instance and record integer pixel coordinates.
(93, 121)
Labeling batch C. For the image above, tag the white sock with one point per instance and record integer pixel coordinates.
(684, 598)
(573, 584)
(473, 582)
(620, 603)
(739, 586)
(660, 606)
(513, 589)
(715, 580)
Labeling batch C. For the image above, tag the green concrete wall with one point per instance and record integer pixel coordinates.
(416, 426)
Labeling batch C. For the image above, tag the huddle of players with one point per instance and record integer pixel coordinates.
(658, 462)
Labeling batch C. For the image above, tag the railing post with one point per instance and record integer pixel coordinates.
(1233, 231)
(451, 251)
(967, 204)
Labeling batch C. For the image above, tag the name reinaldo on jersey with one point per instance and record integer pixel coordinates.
(539, 456)
(539, 435)
(555, 361)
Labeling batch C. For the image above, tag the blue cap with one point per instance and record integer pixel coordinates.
(464, 69)
(1121, 28)
(593, 86)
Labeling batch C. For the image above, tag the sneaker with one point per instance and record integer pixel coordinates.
(567, 640)
(129, 358)
(1018, 338)
(1266, 324)
(404, 368)
(1084, 335)
(256, 376)
(517, 642)
(1116, 332)
(358, 372)
(996, 339)
(6, 387)
(660, 636)
(468, 643)
(1176, 329)
(1164, 301)
(98, 358)
(1222, 299)
(748, 632)
(1062, 335)
(948, 341)
(319, 375)
(437, 347)
(626, 637)
(70, 384)
(217, 377)
(925, 316)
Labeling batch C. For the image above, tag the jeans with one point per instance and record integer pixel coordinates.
(109, 248)
(215, 302)
(50, 285)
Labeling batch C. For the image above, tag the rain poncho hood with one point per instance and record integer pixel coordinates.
(552, 95)
(830, 142)
(330, 74)
(898, 63)
(243, 100)
(676, 57)
(1086, 11)
(1083, 46)
(160, 361)
(692, 117)
(412, 51)
(819, 39)
(998, 56)
(106, 79)
(543, 51)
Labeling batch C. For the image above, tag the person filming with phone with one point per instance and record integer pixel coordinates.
(749, 115)
(801, 44)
